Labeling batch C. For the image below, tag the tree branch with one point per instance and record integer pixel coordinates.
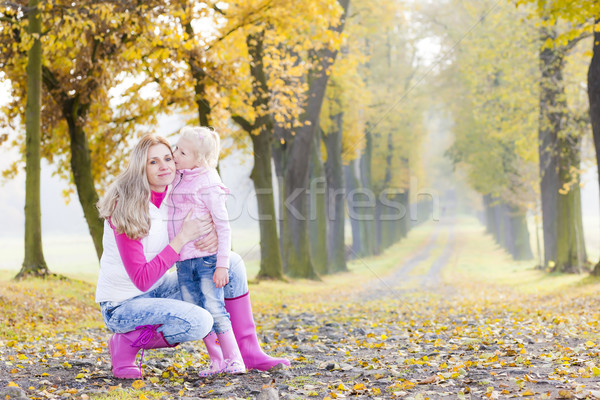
(243, 122)
(573, 42)
(243, 23)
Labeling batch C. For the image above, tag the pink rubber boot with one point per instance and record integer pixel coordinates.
(234, 364)
(123, 348)
(213, 347)
(242, 322)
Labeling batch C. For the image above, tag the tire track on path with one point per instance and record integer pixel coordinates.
(395, 284)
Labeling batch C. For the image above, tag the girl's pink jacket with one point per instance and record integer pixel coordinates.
(202, 191)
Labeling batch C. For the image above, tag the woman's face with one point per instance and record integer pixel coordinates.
(160, 167)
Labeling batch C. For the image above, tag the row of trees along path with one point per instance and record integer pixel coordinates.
(328, 92)
(291, 69)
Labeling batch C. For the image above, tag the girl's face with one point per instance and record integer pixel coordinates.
(185, 156)
(160, 167)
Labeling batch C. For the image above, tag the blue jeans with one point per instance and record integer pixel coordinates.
(196, 284)
(181, 321)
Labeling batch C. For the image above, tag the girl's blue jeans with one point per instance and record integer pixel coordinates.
(195, 277)
(180, 321)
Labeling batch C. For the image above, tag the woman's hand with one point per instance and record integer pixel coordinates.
(191, 229)
(209, 242)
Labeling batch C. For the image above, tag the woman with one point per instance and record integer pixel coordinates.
(138, 300)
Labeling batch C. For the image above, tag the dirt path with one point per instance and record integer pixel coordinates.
(405, 280)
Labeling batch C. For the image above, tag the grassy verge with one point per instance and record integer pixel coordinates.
(45, 307)
(478, 260)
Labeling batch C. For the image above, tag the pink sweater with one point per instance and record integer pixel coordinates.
(201, 191)
(144, 274)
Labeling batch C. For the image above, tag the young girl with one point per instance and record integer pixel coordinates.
(198, 187)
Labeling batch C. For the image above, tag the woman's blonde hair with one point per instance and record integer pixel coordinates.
(206, 142)
(127, 198)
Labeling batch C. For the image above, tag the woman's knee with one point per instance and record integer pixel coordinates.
(194, 324)
(238, 281)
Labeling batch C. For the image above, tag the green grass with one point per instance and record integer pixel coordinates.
(66, 255)
(75, 256)
(479, 259)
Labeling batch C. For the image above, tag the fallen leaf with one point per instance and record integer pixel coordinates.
(138, 384)
(565, 394)
(431, 379)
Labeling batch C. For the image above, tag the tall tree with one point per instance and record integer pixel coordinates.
(394, 128)
(90, 45)
(564, 23)
(559, 147)
(277, 88)
(34, 263)
(297, 149)
(493, 97)
(261, 134)
(318, 213)
(594, 98)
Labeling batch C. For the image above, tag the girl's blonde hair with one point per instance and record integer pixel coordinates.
(127, 198)
(206, 142)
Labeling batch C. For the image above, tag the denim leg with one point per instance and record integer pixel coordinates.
(214, 301)
(181, 321)
(169, 287)
(189, 280)
(238, 282)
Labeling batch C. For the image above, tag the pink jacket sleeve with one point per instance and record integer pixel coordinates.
(143, 274)
(214, 199)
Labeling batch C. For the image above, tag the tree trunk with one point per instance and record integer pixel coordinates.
(297, 258)
(520, 234)
(318, 210)
(388, 218)
(270, 256)
(278, 152)
(594, 99)
(336, 191)
(508, 239)
(385, 213)
(499, 223)
(81, 167)
(368, 199)
(405, 221)
(489, 215)
(559, 154)
(74, 112)
(570, 252)
(353, 184)
(386, 233)
(33, 263)
(199, 75)
(552, 118)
